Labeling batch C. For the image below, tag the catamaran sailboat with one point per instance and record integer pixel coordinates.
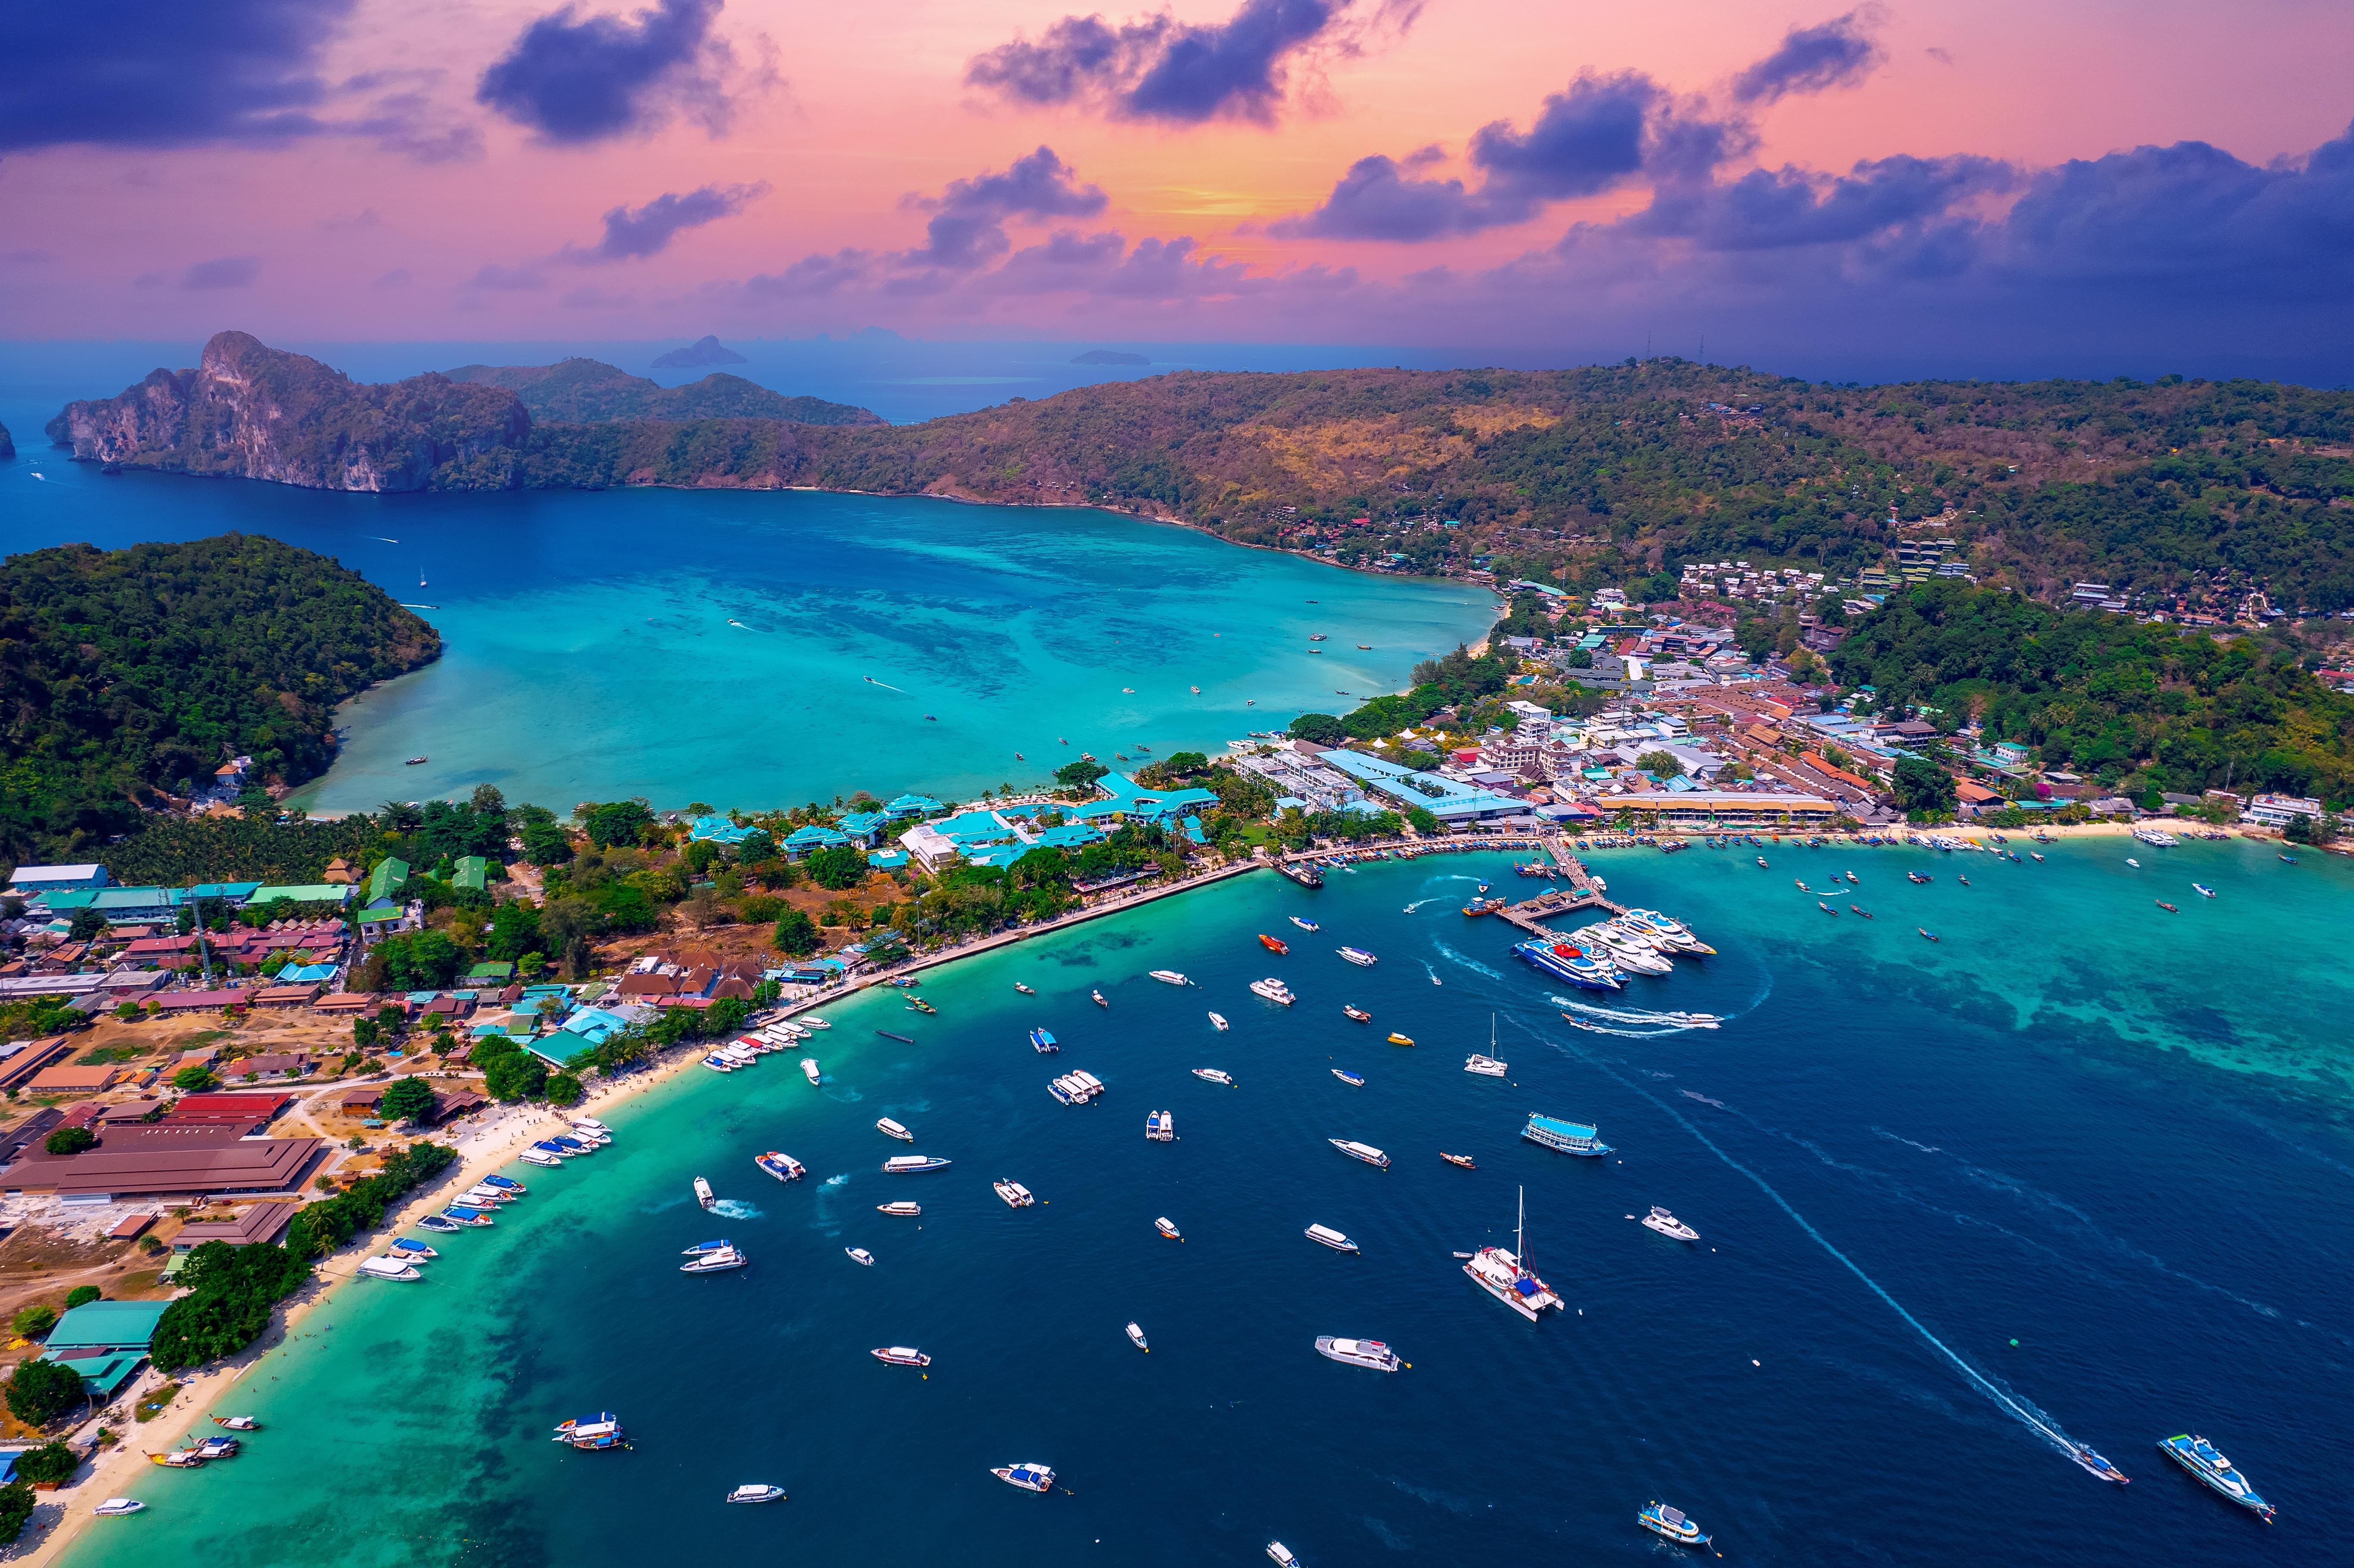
(1505, 1275)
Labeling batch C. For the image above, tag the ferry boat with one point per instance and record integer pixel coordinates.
(1136, 1338)
(1563, 961)
(901, 1356)
(1015, 1194)
(1486, 1066)
(1218, 1022)
(1483, 906)
(1325, 1236)
(1168, 1227)
(703, 1193)
(439, 1224)
(1354, 1080)
(1661, 1519)
(1462, 1160)
(1274, 990)
(783, 1167)
(1169, 976)
(909, 1164)
(1356, 1014)
(757, 1492)
(809, 1070)
(1667, 1225)
(903, 1209)
(1567, 1137)
(1505, 1275)
(1371, 1354)
(717, 1262)
(1303, 924)
(603, 1430)
(1357, 956)
(116, 1508)
(1029, 1478)
(890, 1129)
(1161, 1127)
(1273, 944)
(1215, 1076)
(1364, 1151)
(1397, 1039)
(2199, 1456)
(1304, 874)
(390, 1268)
(860, 1256)
(1043, 1042)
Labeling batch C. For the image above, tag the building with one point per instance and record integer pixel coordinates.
(1704, 809)
(2279, 810)
(300, 893)
(21, 1060)
(71, 1079)
(170, 1158)
(105, 1342)
(388, 877)
(256, 1225)
(32, 879)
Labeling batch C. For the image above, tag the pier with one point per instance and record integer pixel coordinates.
(1555, 903)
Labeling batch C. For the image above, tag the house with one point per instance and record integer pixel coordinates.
(346, 1002)
(1705, 808)
(32, 879)
(382, 917)
(364, 1102)
(473, 871)
(390, 874)
(20, 1061)
(99, 1326)
(249, 1113)
(488, 975)
(258, 1224)
(2279, 810)
(199, 1001)
(297, 995)
(71, 1079)
(277, 1064)
(299, 893)
(339, 872)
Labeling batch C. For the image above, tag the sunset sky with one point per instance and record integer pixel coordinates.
(2083, 184)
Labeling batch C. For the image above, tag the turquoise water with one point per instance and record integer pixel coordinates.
(2081, 1165)
(753, 649)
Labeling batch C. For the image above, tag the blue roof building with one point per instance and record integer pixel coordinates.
(886, 859)
(1127, 798)
(913, 806)
(864, 825)
(718, 831)
(1069, 836)
(1447, 798)
(801, 840)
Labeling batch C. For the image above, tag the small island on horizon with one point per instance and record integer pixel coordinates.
(706, 350)
(1110, 356)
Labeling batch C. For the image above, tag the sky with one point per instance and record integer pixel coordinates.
(1935, 187)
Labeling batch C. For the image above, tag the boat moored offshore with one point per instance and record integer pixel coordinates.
(1274, 990)
(783, 1167)
(1325, 1236)
(1043, 1042)
(1015, 1194)
(1364, 1151)
(902, 1356)
(603, 1430)
(2203, 1459)
(1667, 1225)
(890, 1129)
(907, 1164)
(1030, 1478)
(1567, 1137)
(1371, 1354)
(1506, 1277)
(1661, 1519)
(1215, 1076)
(1169, 976)
(757, 1492)
(1486, 1066)
(1357, 956)
(1161, 1127)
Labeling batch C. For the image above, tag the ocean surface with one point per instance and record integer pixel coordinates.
(759, 649)
(2079, 1171)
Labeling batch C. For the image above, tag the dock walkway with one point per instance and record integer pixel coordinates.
(1582, 895)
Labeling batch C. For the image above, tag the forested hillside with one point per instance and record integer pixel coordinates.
(126, 672)
(589, 391)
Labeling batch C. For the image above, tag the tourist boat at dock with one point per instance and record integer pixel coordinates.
(1462, 1160)
(508, 1185)
(1661, 1519)
(1273, 990)
(1169, 976)
(390, 1268)
(717, 1261)
(1325, 1236)
(719, 1063)
(1486, 1066)
(1218, 1022)
(603, 1430)
(409, 1251)
(1673, 934)
(1168, 1227)
(1015, 1194)
(783, 1167)
(1136, 1338)
(178, 1459)
(1371, 1354)
(1483, 906)
(809, 1070)
(1567, 1137)
(552, 1149)
(890, 1129)
(439, 1225)
(1357, 956)
(1273, 944)
(540, 1157)
(1304, 925)
(1161, 1127)
(1029, 1478)
(1364, 1151)
(901, 1356)
(1354, 1080)
(2199, 1456)
(1667, 1225)
(1305, 873)
(1505, 1275)
(1215, 1076)
(904, 1209)
(757, 1492)
(908, 1164)
(860, 1256)
(468, 1216)
(703, 1193)
(238, 1423)
(1563, 961)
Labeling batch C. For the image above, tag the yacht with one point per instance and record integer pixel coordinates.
(812, 1021)
(1568, 1137)
(1015, 1194)
(1029, 1478)
(390, 1268)
(484, 1197)
(1136, 1338)
(860, 1256)
(890, 1129)
(2198, 1456)
(1358, 1014)
(703, 1193)
(1364, 1151)
(603, 1430)
(1661, 1519)
(1303, 924)
(1168, 1227)
(809, 1069)
(757, 1492)
(907, 1164)
(1042, 1042)
(1161, 1127)
(1626, 950)
(1667, 1225)
(1283, 1555)
(552, 1149)
(1397, 1039)
(1357, 956)
(1486, 1066)
(2202, 889)
(1371, 1354)
(412, 1250)
(1563, 961)
(1215, 1076)
(1354, 1080)
(1218, 1022)
(1505, 1275)
(1274, 944)
(1169, 976)
(783, 1167)
(116, 1507)
(903, 1209)
(1325, 1236)
(718, 1261)
(2097, 1466)
(1274, 990)
(902, 1356)
(1674, 933)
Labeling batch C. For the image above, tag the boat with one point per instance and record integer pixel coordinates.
(414, 761)
(902, 1039)
(1015, 1194)
(217, 1448)
(1316, 637)
(757, 1492)
(1355, 1013)
(572, 1145)
(388, 1268)
(909, 1164)
(1075, 1088)
(1169, 976)
(1043, 1042)
(1024, 990)
(1364, 1151)
(2169, 908)
(1914, 876)
(2202, 889)
(1274, 990)
(2199, 1456)
(238, 1423)
(1371, 1354)
(860, 1256)
(783, 1167)
(703, 1193)
(2133, 862)
(603, 1430)
(1505, 1275)
(1926, 932)
(1667, 1225)
(439, 1224)
(1273, 944)
(1282, 1554)
(1858, 909)
(1218, 1022)
(719, 1063)
(2035, 857)
(1325, 1236)
(1029, 1478)
(890, 1129)
(700, 1247)
(552, 1149)
(1486, 1066)
(508, 1183)
(1567, 1137)
(1357, 956)
(540, 1157)
(1136, 1338)
(1215, 1076)
(809, 1069)
(1354, 1080)
(902, 1208)
(718, 1262)
(1099, 998)
(1161, 1127)
(1462, 1160)
(1304, 874)
(2097, 1466)
(116, 1507)
(1483, 906)
(2285, 857)
(902, 1356)
(917, 1004)
(1563, 961)
(1397, 1039)
(1825, 907)
(1168, 1227)
(1661, 1519)
(1304, 925)
(414, 1251)
(178, 1459)
(1761, 862)
(474, 1217)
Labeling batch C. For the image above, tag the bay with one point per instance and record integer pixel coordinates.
(2081, 1165)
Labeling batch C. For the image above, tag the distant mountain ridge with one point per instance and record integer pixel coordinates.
(705, 350)
(589, 391)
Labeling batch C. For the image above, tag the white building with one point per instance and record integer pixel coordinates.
(2279, 810)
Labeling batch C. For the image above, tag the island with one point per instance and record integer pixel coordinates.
(1112, 356)
(706, 350)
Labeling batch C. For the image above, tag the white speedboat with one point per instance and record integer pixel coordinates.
(540, 1157)
(718, 1262)
(1218, 1022)
(890, 1129)
(408, 1250)
(861, 1256)
(1029, 1478)
(590, 1124)
(116, 1507)
(509, 1185)
(1326, 1236)
(1169, 976)
(1486, 1066)
(390, 1268)
(809, 1068)
(1161, 1127)
(1168, 1227)
(1282, 1554)
(757, 1492)
(1364, 1151)
(1302, 924)
(1015, 1194)
(1505, 1275)
(1661, 1519)
(903, 1209)
(1667, 1225)
(1273, 990)
(1136, 1338)
(699, 1248)
(703, 1193)
(1627, 950)
(485, 1197)
(1215, 1076)
(812, 1021)
(783, 1167)
(1357, 956)
(902, 1356)
(1371, 1354)
(906, 1164)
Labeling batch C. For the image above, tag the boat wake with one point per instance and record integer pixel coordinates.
(1696, 1095)
(1673, 1022)
(1474, 965)
(1420, 902)
(840, 1181)
(885, 684)
(1895, 1138)
(735, 1209)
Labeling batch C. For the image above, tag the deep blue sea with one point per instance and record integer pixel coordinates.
(2080, 1166)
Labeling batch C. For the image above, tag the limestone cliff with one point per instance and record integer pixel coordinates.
(8, 446)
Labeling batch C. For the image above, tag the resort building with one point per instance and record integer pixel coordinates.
(1451, 800)
(1705, 810)
(105, 1342)
(2279, 810)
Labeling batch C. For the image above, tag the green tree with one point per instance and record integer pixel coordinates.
(364, 1032)
(41, 1392)
(515, 930)
(1920, 785)
(840, 868)
(194, 1079)
(420, 960)
(563, 1089)
(16, 1504)
(70, 1140)
(756, 848)
(51, 1464)
(31, 1322)
(82, 1296)
(85, 924)
(1660, 764)
(407, 1099)
(1319, 729)
(796, 934)
(512, 1075)
(1078, 775)
(616, 822)
(1422, 820)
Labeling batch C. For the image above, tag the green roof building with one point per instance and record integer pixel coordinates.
(301, 893)
(387, 878)
(474, 871)
(97, 1328)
